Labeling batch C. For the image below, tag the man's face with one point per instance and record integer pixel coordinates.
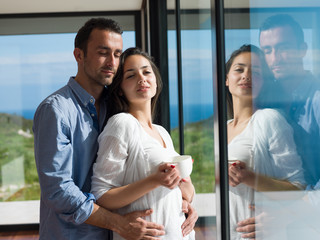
(282, 51)
(102, 59)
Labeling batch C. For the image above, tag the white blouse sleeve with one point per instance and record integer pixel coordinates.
(285, 162)
(110, 166)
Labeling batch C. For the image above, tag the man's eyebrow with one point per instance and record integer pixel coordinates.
(108, 48)
(104, 47)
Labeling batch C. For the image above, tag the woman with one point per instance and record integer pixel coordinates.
(261, 141)
(129, 173)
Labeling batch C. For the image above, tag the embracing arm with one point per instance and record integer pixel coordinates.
(130, 226)
(54, 160)
(121, 196)
(239, 173)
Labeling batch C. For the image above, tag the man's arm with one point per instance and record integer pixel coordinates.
(54, 160)
(130, 226)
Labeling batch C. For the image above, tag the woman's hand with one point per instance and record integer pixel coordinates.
(167, 175)
(239, 173)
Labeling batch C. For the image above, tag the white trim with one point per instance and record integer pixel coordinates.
(27, 212)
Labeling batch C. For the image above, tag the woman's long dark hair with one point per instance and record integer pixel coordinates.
(266, 74)
(117, 102)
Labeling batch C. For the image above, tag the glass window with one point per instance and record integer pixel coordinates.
(32, 67)
(196, 86)
(273, 130)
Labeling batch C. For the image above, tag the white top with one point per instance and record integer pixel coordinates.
(241, 196)
(272, 153)
(128, 154)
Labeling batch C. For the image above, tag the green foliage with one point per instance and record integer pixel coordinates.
(15, 146)
(199, 143)
(198, 138)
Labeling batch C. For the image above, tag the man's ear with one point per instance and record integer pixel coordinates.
(303, 49)
(78, 54)
(227, 82)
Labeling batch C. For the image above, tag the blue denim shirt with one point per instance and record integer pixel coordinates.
(301, 108)
(66, 128)
(304, 117)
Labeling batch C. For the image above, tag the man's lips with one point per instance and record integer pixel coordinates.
(276, 68)
(108, 72)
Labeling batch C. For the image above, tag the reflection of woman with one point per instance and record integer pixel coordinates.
(260, 140)
(129, 173)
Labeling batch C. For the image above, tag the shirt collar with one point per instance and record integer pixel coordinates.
(82, 94)
(305, 87)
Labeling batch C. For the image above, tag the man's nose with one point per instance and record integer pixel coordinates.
(275, 56)
(112, 61)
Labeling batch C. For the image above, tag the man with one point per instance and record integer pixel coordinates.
(282, 40)
(296, 93)
(66, 127)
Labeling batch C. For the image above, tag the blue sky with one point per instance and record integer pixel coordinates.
(33, 66)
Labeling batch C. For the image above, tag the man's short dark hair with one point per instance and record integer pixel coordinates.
(81, 40)
(281, 20)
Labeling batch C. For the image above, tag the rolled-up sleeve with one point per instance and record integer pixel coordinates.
(54, 159)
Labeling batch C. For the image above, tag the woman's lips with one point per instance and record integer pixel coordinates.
(143, 89)
(245, 85)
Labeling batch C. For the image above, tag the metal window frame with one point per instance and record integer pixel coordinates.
(220, 119)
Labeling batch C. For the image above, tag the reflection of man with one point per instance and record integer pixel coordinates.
(297, 92)
(282, 40)
(66, 127)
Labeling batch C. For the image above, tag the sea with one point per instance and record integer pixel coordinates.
(191, 113)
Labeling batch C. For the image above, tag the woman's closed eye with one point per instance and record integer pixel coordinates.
(129, 76)
(238, 69)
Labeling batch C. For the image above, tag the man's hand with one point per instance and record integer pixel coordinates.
(247, 227)
(192, 217)
(133, 227)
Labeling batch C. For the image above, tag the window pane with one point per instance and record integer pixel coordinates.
(273, 130)
(32, 67)
(197, 103)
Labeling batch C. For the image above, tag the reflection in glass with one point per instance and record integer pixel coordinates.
(254, 135)
(290, 42)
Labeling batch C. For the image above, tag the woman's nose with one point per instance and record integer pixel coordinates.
(246, 76)
(142, 80)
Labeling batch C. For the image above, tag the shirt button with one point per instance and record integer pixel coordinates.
(92, 115)
(91, 100)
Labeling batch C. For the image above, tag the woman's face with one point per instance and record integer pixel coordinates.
(244, 78)
(139, 81)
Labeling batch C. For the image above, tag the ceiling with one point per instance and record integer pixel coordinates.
(45, 6)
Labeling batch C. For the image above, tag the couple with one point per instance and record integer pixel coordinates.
(66, 129)
(277, 149)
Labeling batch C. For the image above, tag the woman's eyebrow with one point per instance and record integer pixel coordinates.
(131, 69)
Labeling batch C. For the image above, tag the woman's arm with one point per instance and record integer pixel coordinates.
(239, 173)
(115, 198)
(187, 189)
